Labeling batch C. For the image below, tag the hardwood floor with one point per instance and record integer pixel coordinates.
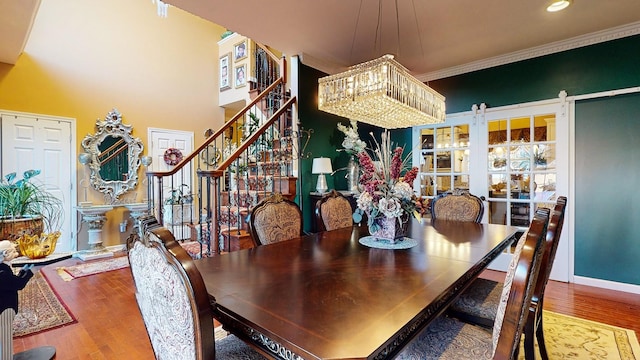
(110, 327)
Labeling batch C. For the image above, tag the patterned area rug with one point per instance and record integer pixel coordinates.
(569, 337)
(39, 308)
(93, 267)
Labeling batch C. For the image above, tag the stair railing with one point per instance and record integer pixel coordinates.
(227, 174)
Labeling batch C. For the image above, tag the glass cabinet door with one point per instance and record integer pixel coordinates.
(443, 155)
(520, 167)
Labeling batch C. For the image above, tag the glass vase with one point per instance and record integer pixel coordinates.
(353, 176)
(391, 229)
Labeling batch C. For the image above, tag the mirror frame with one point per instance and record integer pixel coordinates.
(112, 126)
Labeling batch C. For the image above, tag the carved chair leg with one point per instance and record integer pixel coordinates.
(529, 338)
(540, 337)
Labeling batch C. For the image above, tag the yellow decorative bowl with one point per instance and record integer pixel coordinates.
(38, 246)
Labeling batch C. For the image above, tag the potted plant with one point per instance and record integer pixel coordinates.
(178, 207)
(27, 208)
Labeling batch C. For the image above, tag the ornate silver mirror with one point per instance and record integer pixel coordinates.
(114, 157)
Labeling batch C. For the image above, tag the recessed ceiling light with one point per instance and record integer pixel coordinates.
(558, 5)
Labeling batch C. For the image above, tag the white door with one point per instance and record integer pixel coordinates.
(161, 140)
(43, 143)
(509, 156)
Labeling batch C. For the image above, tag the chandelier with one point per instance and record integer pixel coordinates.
(381, 92)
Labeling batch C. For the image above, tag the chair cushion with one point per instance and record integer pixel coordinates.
(232, 348)
(457, 207)
(336, 213)
(169, 317)
(478, 304)
(449, 339)
(277, 222)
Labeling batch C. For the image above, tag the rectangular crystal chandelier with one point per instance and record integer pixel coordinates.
(383, 93)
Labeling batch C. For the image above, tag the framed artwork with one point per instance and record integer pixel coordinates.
(240, 50)
(225, 73)
(241, 75)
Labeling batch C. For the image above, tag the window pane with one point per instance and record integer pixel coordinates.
(427, 139)
(497, 132)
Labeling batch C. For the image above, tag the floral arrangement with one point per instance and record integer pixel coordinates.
(386, 192)
(351, 143)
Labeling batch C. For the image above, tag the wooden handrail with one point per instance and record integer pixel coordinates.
(251, 139)
(219, 132)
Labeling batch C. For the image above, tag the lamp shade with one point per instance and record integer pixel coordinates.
(321, 165)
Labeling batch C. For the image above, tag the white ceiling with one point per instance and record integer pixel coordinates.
(434, 35)
(16, 18)
(432, 38)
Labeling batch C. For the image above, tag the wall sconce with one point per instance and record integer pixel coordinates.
(321, 166)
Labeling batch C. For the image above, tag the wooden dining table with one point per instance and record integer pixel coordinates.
(326, 296)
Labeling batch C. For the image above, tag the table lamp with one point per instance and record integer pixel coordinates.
(321, 166)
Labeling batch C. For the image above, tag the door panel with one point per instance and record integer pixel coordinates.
(30, 142)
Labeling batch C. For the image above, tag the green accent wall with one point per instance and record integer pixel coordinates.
(600, 67)
(608, 175)
(608, 251)
(607, 243)
(326, 138)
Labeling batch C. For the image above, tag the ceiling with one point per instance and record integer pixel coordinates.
(427, 36)
(432, 38)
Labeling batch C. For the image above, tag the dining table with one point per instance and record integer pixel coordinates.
(328, 296)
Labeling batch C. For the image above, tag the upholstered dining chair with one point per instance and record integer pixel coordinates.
(479, 303)
(275, 219)
(174, 302)
(450, 338)
(333, 211)
(457, 205)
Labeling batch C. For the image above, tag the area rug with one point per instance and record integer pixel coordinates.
(569, 337)
(39, 308)
(93, 267)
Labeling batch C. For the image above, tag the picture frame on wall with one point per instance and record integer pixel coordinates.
(225, 72)
(240, 50)
(240, 77)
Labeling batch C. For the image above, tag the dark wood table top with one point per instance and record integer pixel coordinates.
(325, 296)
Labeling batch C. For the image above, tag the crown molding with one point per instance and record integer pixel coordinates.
(551, 48)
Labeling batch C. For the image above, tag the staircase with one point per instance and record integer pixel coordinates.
(229, 176)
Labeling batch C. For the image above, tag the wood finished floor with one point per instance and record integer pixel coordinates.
(110, 327)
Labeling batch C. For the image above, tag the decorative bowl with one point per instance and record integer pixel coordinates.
(38, 246)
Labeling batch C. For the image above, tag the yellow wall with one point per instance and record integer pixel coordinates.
(85, 57)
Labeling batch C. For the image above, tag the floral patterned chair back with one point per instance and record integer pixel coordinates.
(458, 205)
(275, 219)
(333, 211)
(171, 296)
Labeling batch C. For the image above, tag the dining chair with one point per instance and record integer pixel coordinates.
(275, 219)
(479, 303)
(333, 211)
(459, 205)
(174, 302)
(449, 338)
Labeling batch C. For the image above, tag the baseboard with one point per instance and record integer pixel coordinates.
(606, 284)
(117, 248)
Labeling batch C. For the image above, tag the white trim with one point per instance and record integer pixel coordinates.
(538, 51)
(602, 94)
(571, 210)
(606, 284)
